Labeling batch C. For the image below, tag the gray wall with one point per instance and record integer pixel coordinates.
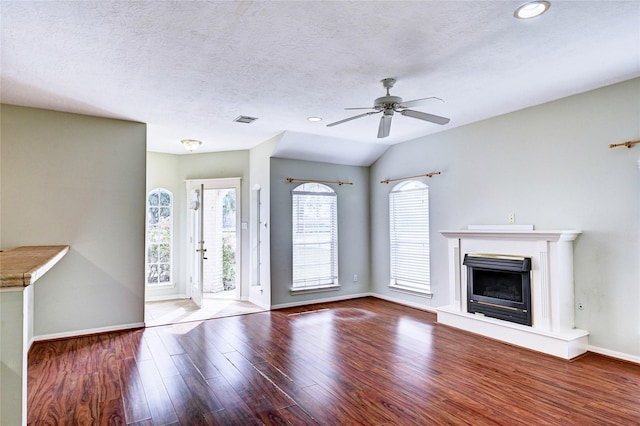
(551, 166)
(353, 227)
(77, 180)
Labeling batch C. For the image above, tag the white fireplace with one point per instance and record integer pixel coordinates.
(552, 290)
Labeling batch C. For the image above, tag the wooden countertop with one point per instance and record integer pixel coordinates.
(22, 266)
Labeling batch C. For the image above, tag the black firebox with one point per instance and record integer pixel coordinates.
(499, 286)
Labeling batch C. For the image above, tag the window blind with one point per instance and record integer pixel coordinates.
(409, 236)
(314, 237)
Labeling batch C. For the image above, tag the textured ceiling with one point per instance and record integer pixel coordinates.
(187, 69)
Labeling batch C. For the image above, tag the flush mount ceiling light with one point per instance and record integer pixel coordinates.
(314, 119)
(191, 144)
(532, 9)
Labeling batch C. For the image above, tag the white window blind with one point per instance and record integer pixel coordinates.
(314, 236)
(409, 235)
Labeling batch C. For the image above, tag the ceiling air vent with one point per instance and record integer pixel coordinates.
(245, 119)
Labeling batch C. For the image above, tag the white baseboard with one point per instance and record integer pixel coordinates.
(405, 303)
(614, 354)
(78, 333)
(165, 297)
(324, 300)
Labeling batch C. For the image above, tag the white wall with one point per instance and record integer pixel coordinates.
(353, 228)
(551, 166)
(260, 171)
(77, 180)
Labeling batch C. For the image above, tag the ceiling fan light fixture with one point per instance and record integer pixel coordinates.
(531, 9)
(191, 144)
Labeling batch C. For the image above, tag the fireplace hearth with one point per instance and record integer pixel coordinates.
(499, 286)
(546, 261)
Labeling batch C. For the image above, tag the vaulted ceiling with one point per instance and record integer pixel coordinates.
(189, 68)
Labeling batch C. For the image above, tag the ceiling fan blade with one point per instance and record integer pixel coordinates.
(416, 102)
(349, 109)
(385, 125)
(352, 118)
(424, 116)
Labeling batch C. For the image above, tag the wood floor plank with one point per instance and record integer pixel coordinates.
(197, 384)
(161, 356)
(235, 408)
(198, 357)
(136, 407)
(362, 362)
(87, 406)
(185, 406)
(160, 405)
(111, 413)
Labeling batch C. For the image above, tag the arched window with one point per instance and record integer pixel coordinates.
(159, 236)
(314, 237)
(409, 236)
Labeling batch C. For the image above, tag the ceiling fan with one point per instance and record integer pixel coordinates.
(388, 105)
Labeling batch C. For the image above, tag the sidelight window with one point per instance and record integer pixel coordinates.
(159, 237)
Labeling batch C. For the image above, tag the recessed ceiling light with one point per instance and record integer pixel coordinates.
(532, 9)
(314, 119)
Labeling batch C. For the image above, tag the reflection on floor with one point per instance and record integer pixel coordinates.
(184, 310)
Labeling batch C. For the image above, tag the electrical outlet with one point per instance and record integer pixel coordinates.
(512, 218)
(355, 278)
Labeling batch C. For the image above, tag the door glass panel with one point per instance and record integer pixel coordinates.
(219, 230)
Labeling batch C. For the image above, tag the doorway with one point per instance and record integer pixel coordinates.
(214, 243)
(212, 260)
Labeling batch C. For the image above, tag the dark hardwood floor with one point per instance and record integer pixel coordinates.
(357, 362)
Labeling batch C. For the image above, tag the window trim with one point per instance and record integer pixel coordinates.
(323, 284)
(171, 283)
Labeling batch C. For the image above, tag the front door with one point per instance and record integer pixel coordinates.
(197, 251)
(214, 239)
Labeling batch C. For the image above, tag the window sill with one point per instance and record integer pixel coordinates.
(411, 290)
(332, 287)
(160, 286)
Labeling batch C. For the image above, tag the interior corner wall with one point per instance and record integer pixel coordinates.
(259, 223)
(80, 181)
(353, 229)
(552, 167)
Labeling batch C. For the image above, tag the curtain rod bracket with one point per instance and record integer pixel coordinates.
(340, 183)
(628, 144)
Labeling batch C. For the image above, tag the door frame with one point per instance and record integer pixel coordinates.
(213, 183)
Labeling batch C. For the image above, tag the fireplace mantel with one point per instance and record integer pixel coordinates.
(569, 235)
(553, 330)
